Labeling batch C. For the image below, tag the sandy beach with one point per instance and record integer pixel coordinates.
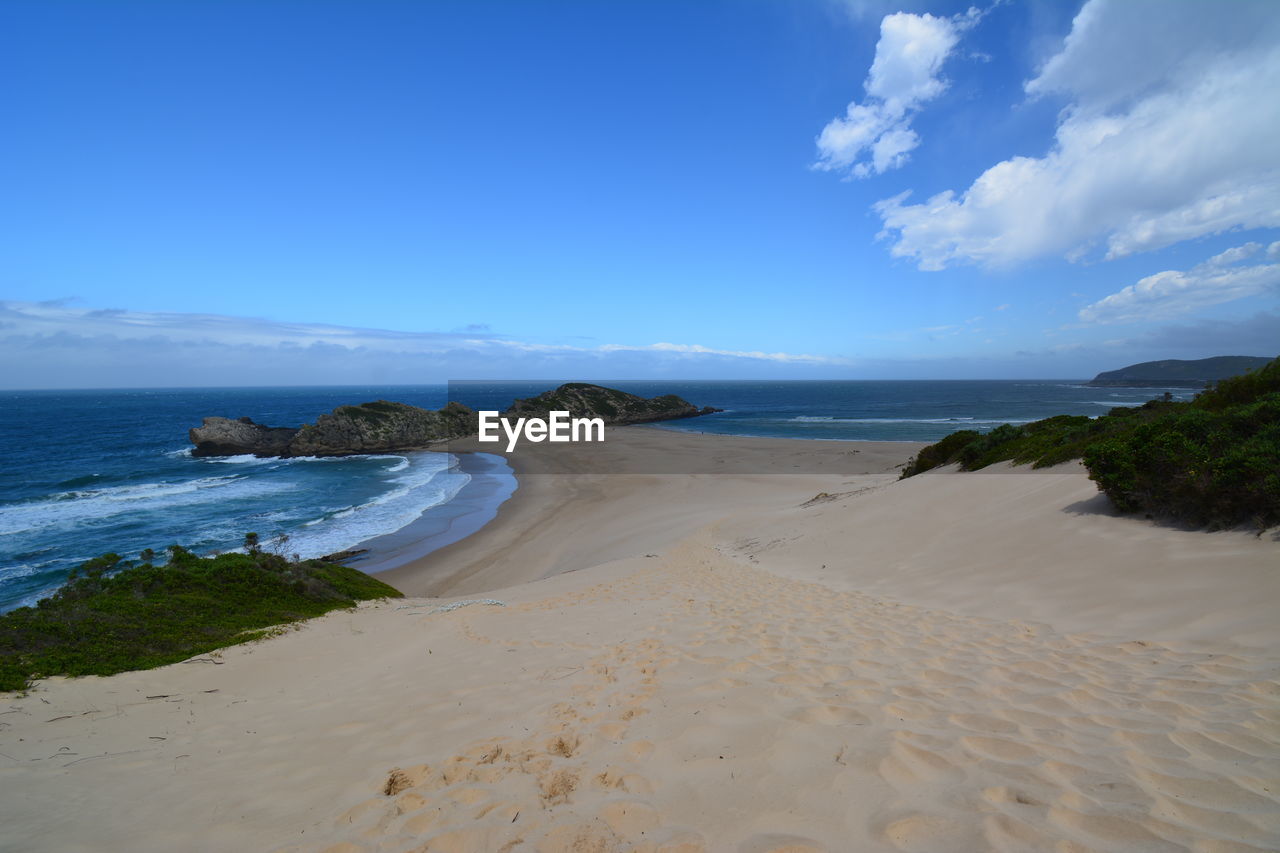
(702, 643)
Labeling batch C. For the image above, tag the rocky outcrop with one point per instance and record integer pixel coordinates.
(582, 400)
(227, 437)
(1178, 373)
(386, 427)
(381, 427)
(377, 427)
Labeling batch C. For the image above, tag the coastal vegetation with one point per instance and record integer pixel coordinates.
(1213, 461)
(110, 616)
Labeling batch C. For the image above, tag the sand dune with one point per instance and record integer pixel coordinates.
(950, 663)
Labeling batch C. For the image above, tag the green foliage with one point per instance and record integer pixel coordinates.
(105, 621)
(1241, 389)
(1217, 468)
(1214, 461)
(371, 413)
(942, 453)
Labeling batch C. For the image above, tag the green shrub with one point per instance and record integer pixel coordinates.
(105, 620)
(942, 453)
(1214, 461)
(1241, 389)
(1215, 468)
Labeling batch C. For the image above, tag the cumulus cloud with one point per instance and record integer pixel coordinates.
(875, 135)
(1169, 134)
(1222, 278)
(46, 345)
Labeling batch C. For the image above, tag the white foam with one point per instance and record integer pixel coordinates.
(242, 459)
(425, 481)
(78, 507)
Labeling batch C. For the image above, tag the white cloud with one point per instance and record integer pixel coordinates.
(905, 74)
(1169, 135)
(698, 349)
(44, 345)
(1171, 292)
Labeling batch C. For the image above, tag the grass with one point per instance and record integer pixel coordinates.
(110, 618)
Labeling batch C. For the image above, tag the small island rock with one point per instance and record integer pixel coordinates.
(227, 437)
(583, 400)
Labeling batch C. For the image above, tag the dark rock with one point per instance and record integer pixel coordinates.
(583, 400)
(227, 437)
(386, 427)
(381, 427)
(377, 427)
(343, 557)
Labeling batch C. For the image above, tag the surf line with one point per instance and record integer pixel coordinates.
(558, 427)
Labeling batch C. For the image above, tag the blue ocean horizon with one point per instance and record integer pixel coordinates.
(86, 472)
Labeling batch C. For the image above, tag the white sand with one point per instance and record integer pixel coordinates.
(956, 662)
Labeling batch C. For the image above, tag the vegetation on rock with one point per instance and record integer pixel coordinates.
(108, 619)
(584, 400)
(376, 427)
(381, 427)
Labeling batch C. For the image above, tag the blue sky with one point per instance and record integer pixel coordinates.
(263, 192)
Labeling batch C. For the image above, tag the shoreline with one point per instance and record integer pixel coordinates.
(499, 488)
(635, 467)
(476, 504)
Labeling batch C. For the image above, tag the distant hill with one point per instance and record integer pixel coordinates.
(1179, 373)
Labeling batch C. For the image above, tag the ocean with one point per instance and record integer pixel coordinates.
(86, 472)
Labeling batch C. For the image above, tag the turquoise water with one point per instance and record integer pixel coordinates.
(86, 472)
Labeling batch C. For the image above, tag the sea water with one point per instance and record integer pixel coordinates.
(86, 472)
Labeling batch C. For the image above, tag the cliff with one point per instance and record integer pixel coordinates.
(1179, 373)
(582, 400)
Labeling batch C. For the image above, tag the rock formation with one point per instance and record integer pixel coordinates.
(377, 427)
(582, 400)
(381, 427)
(227, 437)
(385, 427)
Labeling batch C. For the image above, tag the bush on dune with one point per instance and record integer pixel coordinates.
(1214, 461)
(1216, 468)
(108, 619)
